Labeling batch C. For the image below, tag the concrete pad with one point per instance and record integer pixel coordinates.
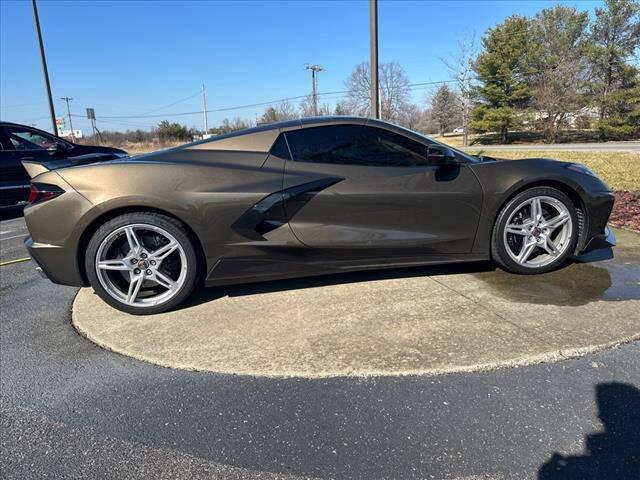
(412, 321)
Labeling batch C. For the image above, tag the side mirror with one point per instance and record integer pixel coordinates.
(440, 155)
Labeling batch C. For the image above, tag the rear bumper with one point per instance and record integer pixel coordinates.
(53, 263)
(55, 229)
(28, 243)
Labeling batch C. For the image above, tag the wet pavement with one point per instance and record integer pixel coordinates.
(592, 277)
(412, 321)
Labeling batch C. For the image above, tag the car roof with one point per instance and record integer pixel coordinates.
(262, 137)
(4, 123)
(13, 124)
(286, 124)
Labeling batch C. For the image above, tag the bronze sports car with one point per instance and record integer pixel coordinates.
(303, 197)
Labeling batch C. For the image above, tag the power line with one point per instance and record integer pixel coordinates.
(174, 103)
(125, 120)
(260, 104)
(24, 105)
(131, 124)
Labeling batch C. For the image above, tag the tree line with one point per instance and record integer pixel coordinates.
(554, 71)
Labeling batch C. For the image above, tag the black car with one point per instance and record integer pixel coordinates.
(19, 142)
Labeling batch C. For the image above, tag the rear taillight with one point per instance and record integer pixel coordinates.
(41, 192)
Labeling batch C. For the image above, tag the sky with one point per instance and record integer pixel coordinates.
(131, 59)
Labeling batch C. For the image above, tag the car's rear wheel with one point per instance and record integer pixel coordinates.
(142, 263)
(535, 232)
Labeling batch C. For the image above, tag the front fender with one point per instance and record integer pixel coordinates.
(503, 179)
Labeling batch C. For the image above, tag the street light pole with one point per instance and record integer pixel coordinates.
(52, 111)
(314, 86)
(68, 99)
(373, 30)
(204, 111)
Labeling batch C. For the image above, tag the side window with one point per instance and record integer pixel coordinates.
(280, 148)
(24, 139)
(355, 145)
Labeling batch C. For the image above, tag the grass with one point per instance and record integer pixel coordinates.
(451, 139)
(620, 170)
(135, 148)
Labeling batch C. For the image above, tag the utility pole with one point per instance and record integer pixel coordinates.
(204, 111)
(45, 71)
(373, 30)
(315, 69)
(68, 99)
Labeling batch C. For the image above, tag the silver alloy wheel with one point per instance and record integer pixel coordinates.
(132, 265)
(538, 231)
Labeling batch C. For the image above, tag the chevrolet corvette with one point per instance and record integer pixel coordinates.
(297, 198)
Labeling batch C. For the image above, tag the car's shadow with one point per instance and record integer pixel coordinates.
(205, 295)
(577, 283)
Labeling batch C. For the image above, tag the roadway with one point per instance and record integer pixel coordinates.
(545, 147)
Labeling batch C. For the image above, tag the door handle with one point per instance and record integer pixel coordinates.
(27, 158)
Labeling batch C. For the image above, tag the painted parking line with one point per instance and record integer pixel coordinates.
(17, 260)
(14, 236)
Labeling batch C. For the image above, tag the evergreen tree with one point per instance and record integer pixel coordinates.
(500, 69)
(615, 37)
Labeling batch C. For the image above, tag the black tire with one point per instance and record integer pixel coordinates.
(498, 247)
(170, 225)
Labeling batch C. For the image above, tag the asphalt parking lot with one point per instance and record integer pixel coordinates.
(72, 409)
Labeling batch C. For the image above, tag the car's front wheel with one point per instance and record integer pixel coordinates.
(535, 232)
(142, 263)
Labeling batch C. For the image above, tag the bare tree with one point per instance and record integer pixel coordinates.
(460, 67)
(230, 126)
(283, 111)
(394, 91)
(306, 108)
(342, 109)
(412, 117)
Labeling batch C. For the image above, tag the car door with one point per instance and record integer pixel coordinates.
(369, 187)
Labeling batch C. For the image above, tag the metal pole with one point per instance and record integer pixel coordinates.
(315, 69)
(204, 111)
(314, 87)
(45, 71)
(68, 99)
(373, 29)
